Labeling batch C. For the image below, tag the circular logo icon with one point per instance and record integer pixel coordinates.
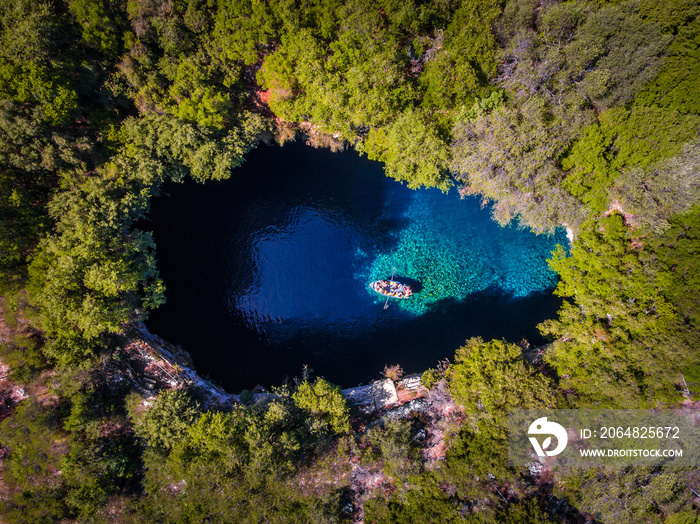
(542, 426)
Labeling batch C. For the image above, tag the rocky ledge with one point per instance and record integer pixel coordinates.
(153, 363)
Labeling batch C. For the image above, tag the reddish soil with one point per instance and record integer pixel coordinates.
(616, 207)
(406, 395)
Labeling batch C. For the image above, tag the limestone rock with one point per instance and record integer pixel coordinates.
(384, 394)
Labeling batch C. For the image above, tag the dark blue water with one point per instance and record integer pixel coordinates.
(269, 271)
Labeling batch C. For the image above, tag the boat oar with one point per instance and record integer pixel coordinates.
(393, 270)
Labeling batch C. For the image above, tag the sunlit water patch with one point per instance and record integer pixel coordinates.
(270, 270)
(453, 250)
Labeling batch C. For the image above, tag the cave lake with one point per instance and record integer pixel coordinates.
(269, 271)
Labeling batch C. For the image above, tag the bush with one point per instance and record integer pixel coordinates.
(323, 400)
(167, 422)
(393, 373)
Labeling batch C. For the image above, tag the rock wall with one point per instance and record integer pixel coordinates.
(155, 364)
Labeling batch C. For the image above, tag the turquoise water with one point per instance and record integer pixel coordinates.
(270, 270)
(455, 262)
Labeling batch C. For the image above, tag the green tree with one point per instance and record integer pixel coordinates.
(101, 26)
(425, 501)
(37, 493)
(655, 194)
(358, 80)
(98, 469)
(242, 30)
(412, 150)
(616, 310)
(197, 97)
(623, 139)
(167, 421)
(462, 67)
(322, 399)
(29, 31)
(98, 272)
(623, 50)
(30, 40)
(629, 494)
(677, 86)
(678, 249)
(490, 377)
(511, 156)
(581, 53)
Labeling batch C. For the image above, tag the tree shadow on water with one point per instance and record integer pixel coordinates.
(419, 343)
(354, 351)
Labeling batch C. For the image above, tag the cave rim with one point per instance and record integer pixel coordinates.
(492, 291)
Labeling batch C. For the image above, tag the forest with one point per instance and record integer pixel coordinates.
(575, 113)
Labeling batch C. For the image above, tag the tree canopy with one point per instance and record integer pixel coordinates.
(560, 113)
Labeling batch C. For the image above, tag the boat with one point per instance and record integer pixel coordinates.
(389, 288)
